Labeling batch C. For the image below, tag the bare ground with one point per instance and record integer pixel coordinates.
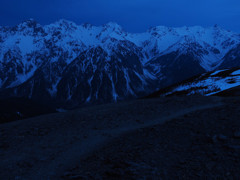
(161, 138)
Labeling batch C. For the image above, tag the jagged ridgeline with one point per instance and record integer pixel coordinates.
(75, 64)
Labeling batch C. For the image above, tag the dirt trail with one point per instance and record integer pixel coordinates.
(98, 139)
(47, 155)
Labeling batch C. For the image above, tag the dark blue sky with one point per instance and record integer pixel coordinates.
(132, 15)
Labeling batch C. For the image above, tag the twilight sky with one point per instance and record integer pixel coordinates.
(132, 15)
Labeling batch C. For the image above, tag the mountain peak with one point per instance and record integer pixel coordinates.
(216, 27)
(64, 22)
(87, 25)
(29, 26)
(31, 23)
(113, 25)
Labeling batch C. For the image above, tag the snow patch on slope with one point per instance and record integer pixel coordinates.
(224, 84)
(21, 78)
(210, 85)
(147, 74)
(236, 73)
(53, 90)
(114, 93)
(216, 72)
(128, 80)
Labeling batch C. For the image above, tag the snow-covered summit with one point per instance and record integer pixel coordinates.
(114, 26)
(154, 42)
(160, 38)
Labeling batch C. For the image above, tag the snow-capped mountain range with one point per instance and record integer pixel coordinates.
(85, 63)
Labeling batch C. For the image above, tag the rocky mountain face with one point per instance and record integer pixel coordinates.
(68, 63)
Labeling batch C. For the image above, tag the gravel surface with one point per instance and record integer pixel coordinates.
(161, 138)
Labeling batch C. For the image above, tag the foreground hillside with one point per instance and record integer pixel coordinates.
(168, 138)
(12, 109)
